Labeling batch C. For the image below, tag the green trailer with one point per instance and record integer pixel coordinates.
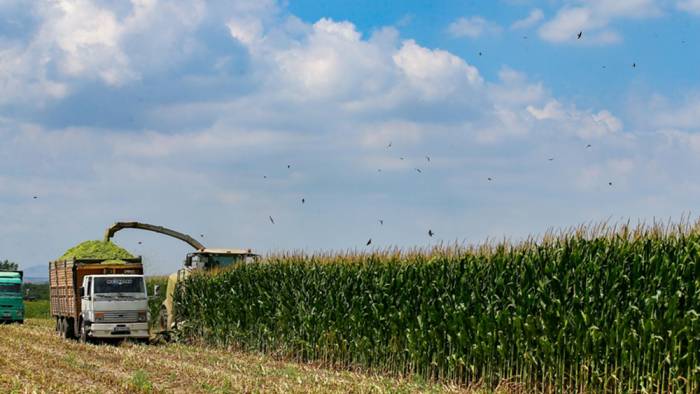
(11, 303)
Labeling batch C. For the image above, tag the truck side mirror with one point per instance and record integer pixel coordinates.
(82, 292)
(156, 290)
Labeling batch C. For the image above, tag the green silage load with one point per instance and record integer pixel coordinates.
(96, 250)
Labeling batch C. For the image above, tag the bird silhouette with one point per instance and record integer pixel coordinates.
(368, 242)
(479, 53)
(264, 176)
(578, 36)
(609, 183)
(634, 65)
(35, 197)
(272, 220)
(201, 235)
(551, 159)
(381, 222)
(418, 169)
(379, 170)
(427, 158)
(303, 200)
(490, 179)
(388, 146)
(289, 166)
(140, 242)
(588, 146)
(430, 233)
(401, 158)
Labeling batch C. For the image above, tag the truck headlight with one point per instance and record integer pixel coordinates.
(143, 316)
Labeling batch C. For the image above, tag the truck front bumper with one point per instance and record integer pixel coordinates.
(118, 330)
(11, 315)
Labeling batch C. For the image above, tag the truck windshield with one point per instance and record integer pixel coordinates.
(118, 285)
(10, 287)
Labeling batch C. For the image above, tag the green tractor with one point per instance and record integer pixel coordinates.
(201, 259)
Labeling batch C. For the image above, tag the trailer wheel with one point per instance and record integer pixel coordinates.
(71, 329)
(62, 327)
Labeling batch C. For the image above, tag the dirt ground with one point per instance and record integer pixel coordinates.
(34, 359)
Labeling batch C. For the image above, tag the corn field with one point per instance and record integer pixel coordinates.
(592, 309)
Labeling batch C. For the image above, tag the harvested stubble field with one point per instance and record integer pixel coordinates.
(34, 359)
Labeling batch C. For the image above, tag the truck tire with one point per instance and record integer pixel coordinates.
(62, 331)
(83, 332)
(71, 329)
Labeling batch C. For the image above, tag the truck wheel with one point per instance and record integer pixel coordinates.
(62, 327)
(83, 332)
(68, 329)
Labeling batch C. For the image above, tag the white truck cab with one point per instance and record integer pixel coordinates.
(114, 306)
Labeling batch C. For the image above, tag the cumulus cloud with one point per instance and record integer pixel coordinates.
(594, 19)
(691, 6)
(535, 16)
(472, 27)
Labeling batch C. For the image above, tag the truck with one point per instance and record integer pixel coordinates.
(202, 258)
(99, 299)
(11, 303)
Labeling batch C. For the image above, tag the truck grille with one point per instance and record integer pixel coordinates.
(120, 317)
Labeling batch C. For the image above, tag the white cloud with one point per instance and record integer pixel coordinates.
(691, 6)
(472, 27)
(594, 18)
(535, 16)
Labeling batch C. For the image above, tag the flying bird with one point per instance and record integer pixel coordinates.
(368, 242)
(201, 235)
(578, 36)
(379, 170)
(588, 146)
(289, 166)
(427, 158)
(401, 158)
(634, 65)
(388, 146)
(303, 200)
(490, 179)
(381, 222)
(479, 53)
(35, 197)
(140, 242)
(430, 233)
(418, 169)
(609, 183)
(264, 176)
(272, 220)
(551, 159)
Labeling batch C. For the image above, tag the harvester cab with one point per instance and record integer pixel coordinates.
(209, 259)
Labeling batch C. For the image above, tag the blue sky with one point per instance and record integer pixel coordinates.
(187, 115)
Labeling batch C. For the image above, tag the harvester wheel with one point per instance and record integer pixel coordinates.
(163, 319)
